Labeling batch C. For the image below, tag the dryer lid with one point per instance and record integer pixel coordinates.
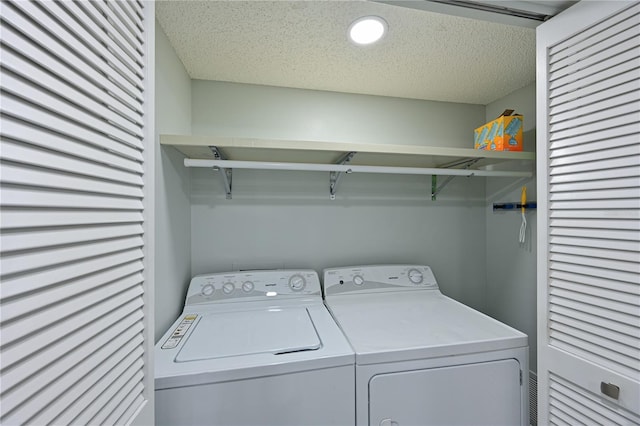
(269, 331)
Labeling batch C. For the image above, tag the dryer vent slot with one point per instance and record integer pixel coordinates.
(296, 350)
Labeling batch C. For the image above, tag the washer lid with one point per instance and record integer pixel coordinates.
(273, 331)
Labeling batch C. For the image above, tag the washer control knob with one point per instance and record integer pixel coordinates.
(247, 286)
(415, 276)
(297, 282)
(207, 290)
(228, 288)
(358, 280)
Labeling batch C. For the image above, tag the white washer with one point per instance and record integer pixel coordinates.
(423, 358)
(254, 348)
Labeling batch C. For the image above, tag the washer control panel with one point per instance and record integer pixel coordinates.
(257, 285)
(378, 278)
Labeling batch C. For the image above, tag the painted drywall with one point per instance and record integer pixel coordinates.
(173, 217)
(511, 266)
(244, 110)
(285, 219)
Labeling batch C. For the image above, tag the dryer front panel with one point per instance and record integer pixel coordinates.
(487, 393)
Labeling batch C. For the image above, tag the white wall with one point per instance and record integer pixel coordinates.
(173, 218)
(285, 219)
(244, 110)
(511, 267)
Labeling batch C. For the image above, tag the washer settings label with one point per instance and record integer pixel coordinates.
(179, 332)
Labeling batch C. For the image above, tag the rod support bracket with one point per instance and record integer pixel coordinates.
(466, 164)
(334, 177)
(225, 173)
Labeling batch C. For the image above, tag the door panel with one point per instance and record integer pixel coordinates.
(485, 393)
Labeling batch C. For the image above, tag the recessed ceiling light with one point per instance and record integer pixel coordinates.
(367, 30)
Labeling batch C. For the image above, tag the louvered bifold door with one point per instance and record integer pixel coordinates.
(589, 167)
(73, 78)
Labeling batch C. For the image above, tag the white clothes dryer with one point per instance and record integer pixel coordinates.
(421, 357)
(254, 348)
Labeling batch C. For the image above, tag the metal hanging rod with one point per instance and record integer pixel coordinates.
(347, 168)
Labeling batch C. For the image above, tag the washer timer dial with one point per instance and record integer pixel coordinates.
(207, 290)
(297, 282)
(415, 276)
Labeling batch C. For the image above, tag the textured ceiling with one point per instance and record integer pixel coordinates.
(303, 44)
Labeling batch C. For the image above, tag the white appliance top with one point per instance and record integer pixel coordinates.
(396, 313)
(244, 324)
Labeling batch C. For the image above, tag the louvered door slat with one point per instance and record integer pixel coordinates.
(625, 182)
(98, 27)
(595, 310)
(25, 338)
(595, 214)
(19, 135)
(120, 63)
(599, 63)
(131, 18)
(130, 37)
(606, 55)
(55, 357)
(38, 177)
(605, 164)
(27, 154)
(595, 116)
(49, 394)
(38, 96)
(13, 310)
(25, 69)
(591, 251)
(633, 246)
(587, 99)
(594, 283)
(603, 82)
(132, 13)
(570, 49)
(84, 77)
(131, 400)
(561, 150)
(77, 50)
(590, 176)
(28, 113)
(585, 126)
(591, 319)
(42, 238)
(97, 397)
(76, 144)
(53, 256)
(58, 350)
(593, 407)
(42, 280)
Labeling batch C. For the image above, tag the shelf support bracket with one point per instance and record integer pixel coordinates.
(334, 177)
(466, 164)
(225, 173)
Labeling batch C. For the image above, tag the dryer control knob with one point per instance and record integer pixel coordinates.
(207, 290)
(297, 282)
(228, 288)
(358, 280)
(247, 286)
(415, 276)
